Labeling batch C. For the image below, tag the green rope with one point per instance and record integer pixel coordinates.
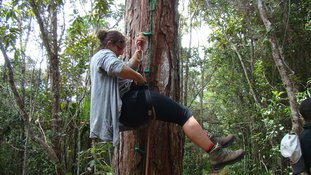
(141, 152)
(149, 34)
(147, 70)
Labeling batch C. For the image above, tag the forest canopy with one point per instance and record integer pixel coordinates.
(244, 68)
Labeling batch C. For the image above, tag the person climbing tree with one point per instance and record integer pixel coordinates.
(120, 99)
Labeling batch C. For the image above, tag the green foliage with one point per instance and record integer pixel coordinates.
(86, 106)
(38, 161)
(13, 139)
(10, 126)
(98, 158)
(194, 161)
(9, 29)
(101, 8)
(219, 95)
(33, 84)
(229, 103)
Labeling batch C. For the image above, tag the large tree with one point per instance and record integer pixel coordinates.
(161, 66)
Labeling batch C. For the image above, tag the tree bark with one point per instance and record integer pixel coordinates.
(166, 140)
(278, 57)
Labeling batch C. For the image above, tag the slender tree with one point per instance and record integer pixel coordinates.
(50, 42)
(278, 57)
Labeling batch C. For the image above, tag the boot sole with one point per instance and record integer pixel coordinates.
(222, 165)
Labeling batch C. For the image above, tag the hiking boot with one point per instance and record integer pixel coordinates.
(223, 141)
(220, 157)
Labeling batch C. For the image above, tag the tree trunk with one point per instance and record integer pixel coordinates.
(278, 57)
(51, 45)
(161, 59)
(55, 79)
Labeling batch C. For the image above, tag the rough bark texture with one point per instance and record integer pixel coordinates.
(166, 140)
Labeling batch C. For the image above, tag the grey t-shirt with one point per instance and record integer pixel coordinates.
(106, 91)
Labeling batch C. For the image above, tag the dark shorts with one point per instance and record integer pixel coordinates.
(134, 112)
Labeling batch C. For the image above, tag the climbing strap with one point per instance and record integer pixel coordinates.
(151, 110)
(152, 115)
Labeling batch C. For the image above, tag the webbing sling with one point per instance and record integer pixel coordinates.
(151, 110)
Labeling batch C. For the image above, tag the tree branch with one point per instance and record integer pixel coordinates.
(277, 55)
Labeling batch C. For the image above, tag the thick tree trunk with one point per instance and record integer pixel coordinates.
(166, 140)
(278, 57)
